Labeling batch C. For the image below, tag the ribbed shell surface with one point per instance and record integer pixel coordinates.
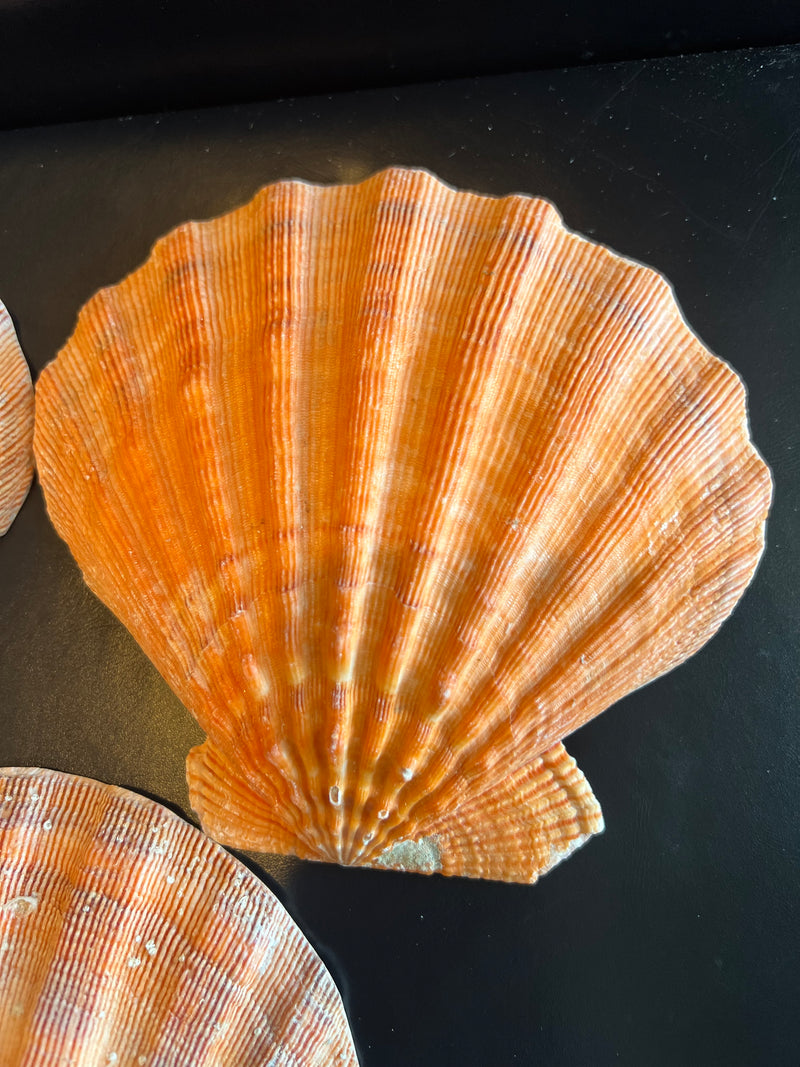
(127, 937)
(16, 424)
(398, 486)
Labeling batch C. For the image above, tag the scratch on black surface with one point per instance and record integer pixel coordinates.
(686, 121)
(777, 151)
(657, 184)
(617, 92)
(770, 196)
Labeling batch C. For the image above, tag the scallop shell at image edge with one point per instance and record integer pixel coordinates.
(128, 937)
(398, 486)
(16, 424)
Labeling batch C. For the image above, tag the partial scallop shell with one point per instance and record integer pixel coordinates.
(128, 937)
(398, 486)
(16, 424)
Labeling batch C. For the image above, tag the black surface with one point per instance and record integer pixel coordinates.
(77, 59)
(673, 939)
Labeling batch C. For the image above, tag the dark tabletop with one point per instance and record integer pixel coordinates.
(673, 938)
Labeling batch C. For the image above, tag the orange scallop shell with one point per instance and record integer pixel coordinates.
(128, 937)
(16, 424)
(398, 486)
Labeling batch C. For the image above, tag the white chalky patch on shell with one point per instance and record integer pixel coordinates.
(423, 855)
(151, 947)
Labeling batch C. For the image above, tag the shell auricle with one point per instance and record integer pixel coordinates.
(128, 937)
(16, 424)
(398, 486)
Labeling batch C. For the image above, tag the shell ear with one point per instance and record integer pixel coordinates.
(517, 830)
(235, 811)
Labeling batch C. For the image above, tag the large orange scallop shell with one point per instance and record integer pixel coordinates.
(128, 937)
(398, 486)
(16, 424)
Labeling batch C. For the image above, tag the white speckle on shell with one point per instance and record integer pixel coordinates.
(20, 906)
